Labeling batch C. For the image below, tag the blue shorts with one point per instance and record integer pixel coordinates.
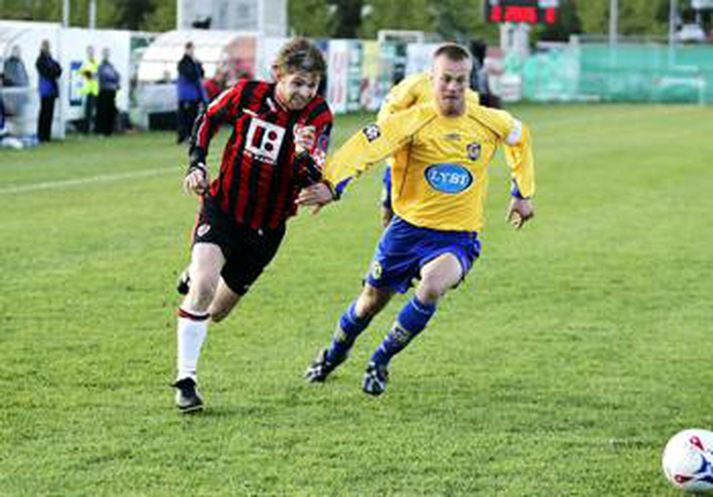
(404, 249)
(386, 188)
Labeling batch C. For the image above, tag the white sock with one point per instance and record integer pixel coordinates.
(191, 333)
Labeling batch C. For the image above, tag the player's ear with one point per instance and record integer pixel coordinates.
(276, 73)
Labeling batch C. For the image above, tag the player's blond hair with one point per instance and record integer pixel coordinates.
(454, 52)
(300, 54)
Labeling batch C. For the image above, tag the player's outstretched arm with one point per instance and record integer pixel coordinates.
(374, 143)
(518, 153)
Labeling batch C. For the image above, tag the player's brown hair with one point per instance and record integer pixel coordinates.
(300, 54)
(453, 51)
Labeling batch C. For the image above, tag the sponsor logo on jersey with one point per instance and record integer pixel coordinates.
(448, 178)
(372, 132)
(264, 140)
(473, 151)
(452, 136)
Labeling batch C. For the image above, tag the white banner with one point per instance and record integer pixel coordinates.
(268, 49)
(264, 17)
(419, 57)
(702, 4)
(337, 78)
(28, 36)
(74, 51)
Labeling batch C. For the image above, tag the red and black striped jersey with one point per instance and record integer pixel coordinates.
(260, 173)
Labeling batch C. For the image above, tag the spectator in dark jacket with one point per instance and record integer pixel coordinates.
(49, 72)
(109, 84)
(190, 92)
(479, 81)
(14, 76)
(14, 73)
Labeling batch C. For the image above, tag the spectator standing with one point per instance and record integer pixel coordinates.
(190, 92)
(109, 83)
(90, 89)
(49, 72)
(479, 81)
(14, 77)
(14, 73)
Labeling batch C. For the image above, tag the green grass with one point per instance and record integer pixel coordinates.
(560, 368)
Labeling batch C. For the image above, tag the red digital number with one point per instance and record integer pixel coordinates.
(515, 13)
(551, 15)
(496, 13)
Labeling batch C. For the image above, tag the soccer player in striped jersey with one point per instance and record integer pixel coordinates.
(278, 144)
(439, 192)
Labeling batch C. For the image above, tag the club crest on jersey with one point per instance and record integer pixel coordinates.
(448, 178)
(372, 132)
(264, 140)
(473, 150)
(203, 229)
(376, 270)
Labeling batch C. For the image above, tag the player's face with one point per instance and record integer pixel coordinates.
(296, 89)
(450, 81)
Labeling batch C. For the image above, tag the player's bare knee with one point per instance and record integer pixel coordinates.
(370, 302)
(201, 293)
(429, 292)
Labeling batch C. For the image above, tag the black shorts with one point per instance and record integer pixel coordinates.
(247, 251)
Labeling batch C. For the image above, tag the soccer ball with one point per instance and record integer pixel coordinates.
(688, 460)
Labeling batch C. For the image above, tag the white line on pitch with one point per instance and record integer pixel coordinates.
(50, 185)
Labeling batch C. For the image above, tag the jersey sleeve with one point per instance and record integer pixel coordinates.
(517, 141)
(518, 153)
(223, 109)
(372, 144)
(401, 97)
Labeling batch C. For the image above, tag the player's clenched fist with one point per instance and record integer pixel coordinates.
(304, 138)
(519, 212)
(196, 180)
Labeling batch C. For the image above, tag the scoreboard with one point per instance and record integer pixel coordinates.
(522, 11)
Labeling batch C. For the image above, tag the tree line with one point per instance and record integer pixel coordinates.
(450, 19)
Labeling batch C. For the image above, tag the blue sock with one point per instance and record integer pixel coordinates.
(410, 322)
(348, 329)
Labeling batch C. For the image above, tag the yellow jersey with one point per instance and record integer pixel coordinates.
(440, 175)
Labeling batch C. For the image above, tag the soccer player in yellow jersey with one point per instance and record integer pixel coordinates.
(440, 175)
(412, 90)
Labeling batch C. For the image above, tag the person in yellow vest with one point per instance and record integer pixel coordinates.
(90, 88)
(442, 152)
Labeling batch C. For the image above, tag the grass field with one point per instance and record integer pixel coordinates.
(560, 368)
